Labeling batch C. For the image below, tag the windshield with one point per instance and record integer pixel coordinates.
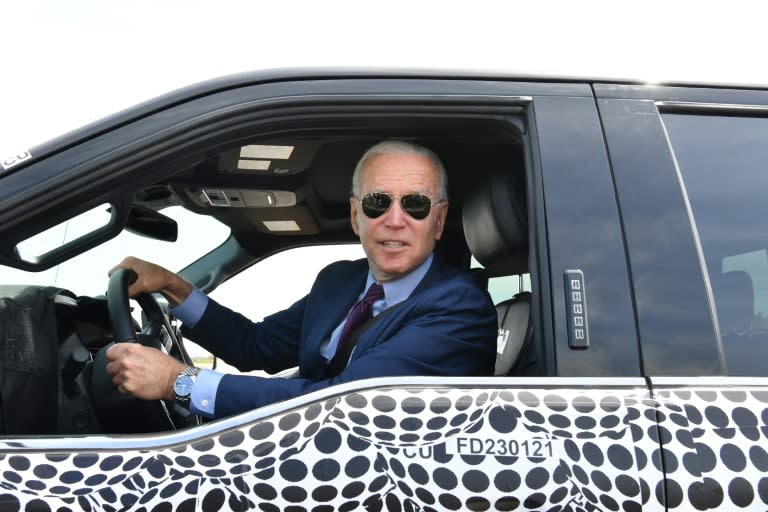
(86, 274)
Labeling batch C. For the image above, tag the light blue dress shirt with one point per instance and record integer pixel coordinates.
(203, 400)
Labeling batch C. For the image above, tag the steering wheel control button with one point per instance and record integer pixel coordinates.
(182, 387)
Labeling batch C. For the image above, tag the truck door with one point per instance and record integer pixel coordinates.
(689, 168)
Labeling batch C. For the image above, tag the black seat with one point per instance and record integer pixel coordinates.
(28, 366)
(495, 222)
(742, 333)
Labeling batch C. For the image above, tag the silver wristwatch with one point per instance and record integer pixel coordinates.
(182, 386)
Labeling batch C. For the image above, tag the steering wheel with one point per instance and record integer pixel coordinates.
(125, 413)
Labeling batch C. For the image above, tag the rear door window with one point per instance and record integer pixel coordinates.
(723, 162)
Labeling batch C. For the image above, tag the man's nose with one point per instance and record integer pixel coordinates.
(395, 216)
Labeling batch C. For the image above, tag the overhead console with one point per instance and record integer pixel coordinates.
(247, 198)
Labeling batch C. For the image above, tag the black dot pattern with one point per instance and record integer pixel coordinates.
(435, 449)
(715, 447)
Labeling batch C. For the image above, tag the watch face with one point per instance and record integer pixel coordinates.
(183, 385)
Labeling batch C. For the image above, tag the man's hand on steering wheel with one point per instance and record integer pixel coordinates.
(151, 278)
(144, 372)
(142, 364)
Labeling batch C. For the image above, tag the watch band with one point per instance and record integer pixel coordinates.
(189, 373)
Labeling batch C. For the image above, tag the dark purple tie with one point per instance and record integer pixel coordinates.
(360, 313)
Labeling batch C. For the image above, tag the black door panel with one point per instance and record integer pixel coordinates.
(583, 233)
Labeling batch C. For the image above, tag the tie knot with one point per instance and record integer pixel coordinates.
(374, 293)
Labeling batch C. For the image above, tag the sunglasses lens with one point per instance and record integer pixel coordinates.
(416, 205)
(376, 204)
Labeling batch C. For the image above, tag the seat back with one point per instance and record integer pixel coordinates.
(515, 331)
(735, 299)
(28, 360)
(494, 217)
(742, 333)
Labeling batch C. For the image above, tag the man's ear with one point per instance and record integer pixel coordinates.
(353, 215)
(441, 215)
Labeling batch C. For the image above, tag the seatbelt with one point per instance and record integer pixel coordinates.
(340, 360)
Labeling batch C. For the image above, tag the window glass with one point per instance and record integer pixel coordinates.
(502, 288)
(274, 284)
(723, 162)
(505, 287)
(86, 274)
(70, 230)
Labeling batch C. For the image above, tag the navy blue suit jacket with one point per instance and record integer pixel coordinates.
(446, 327)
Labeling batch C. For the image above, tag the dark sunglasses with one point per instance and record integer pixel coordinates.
(377, 204)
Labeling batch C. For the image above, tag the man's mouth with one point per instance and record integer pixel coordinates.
(391, 244)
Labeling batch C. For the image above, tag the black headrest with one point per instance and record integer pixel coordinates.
(495, 222)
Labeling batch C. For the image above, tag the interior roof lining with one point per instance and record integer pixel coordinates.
(468, 144)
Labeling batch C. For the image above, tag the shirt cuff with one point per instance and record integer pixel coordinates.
(203, 400)
(193, 307)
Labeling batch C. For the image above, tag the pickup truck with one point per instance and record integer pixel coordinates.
(619, 227)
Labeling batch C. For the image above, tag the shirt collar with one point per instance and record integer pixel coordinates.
(398, 290)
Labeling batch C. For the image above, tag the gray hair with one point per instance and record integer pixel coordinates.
(400, 147)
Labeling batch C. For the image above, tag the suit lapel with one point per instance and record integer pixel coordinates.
(434, 276)
(339, 301)
(331, 301)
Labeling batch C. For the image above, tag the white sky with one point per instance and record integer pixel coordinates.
(67, 63)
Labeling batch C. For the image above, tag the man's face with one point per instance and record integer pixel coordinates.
(395, 242)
